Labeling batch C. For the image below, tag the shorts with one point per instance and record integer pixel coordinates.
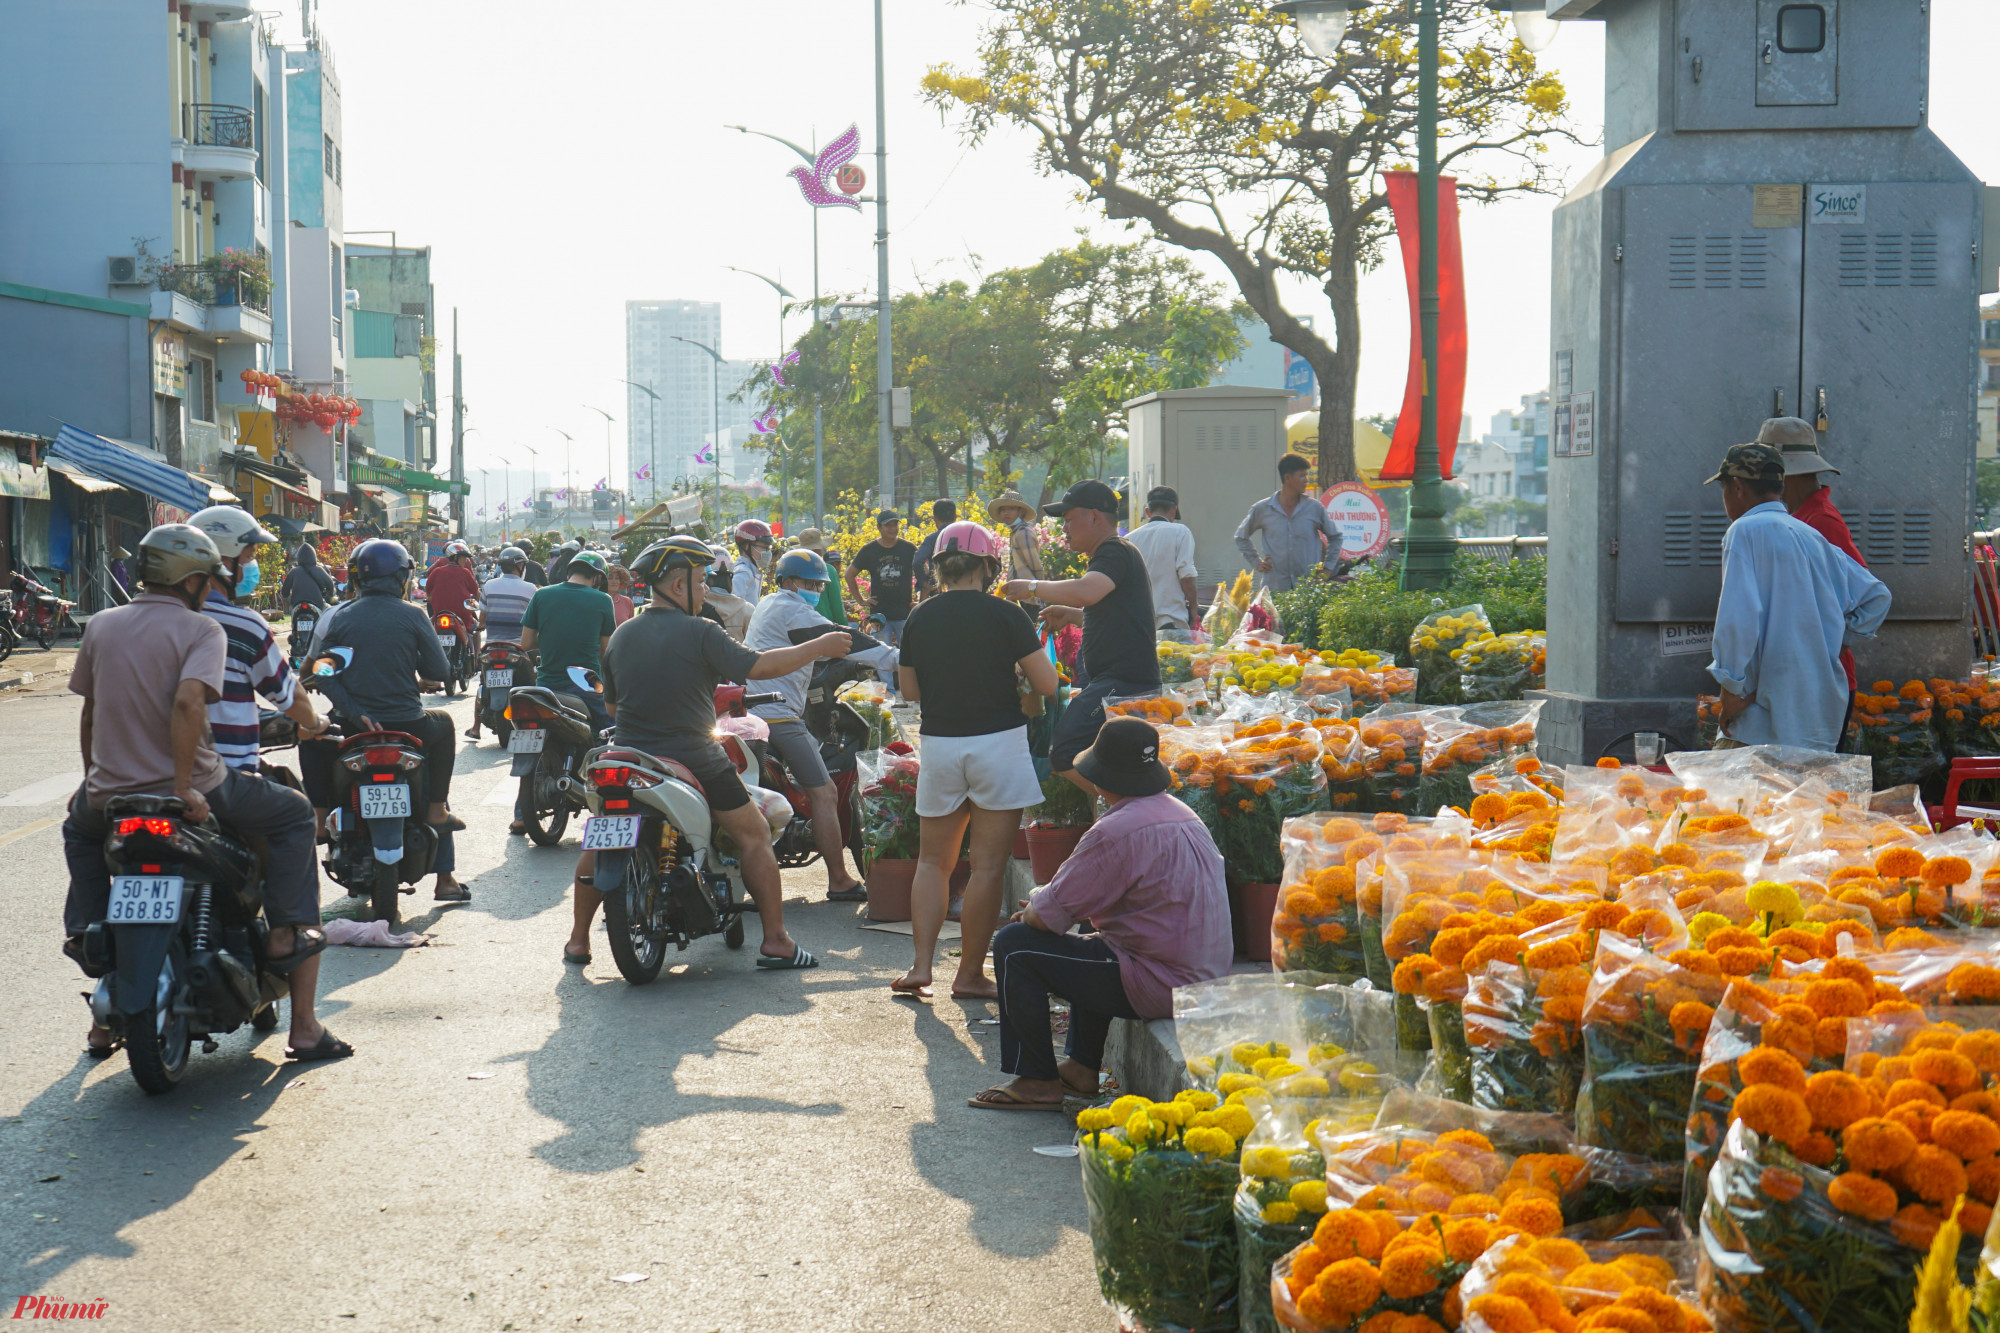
(993, 771)
(796, 746)
(1083, 715)
(719, 779)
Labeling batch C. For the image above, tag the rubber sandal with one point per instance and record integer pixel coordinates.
(910, 990)
(517, 829)
(103, 1052)
(1003, 1100)
(309, 942)
(328, 1047)
(857, 894)
(457, 893)
(452, 822)
(576, 959)
(798, 962)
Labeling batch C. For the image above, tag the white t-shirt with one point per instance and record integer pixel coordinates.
(1168, 550)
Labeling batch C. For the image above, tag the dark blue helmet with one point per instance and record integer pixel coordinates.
(380, 565)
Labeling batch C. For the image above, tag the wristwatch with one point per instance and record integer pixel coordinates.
(1035, 588)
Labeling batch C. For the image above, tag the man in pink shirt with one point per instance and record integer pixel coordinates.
(1148, 877)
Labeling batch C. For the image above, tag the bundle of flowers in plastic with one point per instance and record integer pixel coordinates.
(1317, 926)
(1269, 773)
(1193, 756)
(1502, 666)
(870, 698)
(1895, 732)
(1565, 1285)
(1392, 754)
(1432, 643)
(889, 824)
(1458, 747)
(1279, 1200)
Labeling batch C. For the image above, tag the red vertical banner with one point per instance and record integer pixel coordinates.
(1401, 463)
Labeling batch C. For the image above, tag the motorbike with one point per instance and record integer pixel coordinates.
(305, 623)
(842, 735)
(663, 872)
(507, 666)
(455, 638)
(9, 640)
(182, 954)
(378, 838)
(552, 732)
(42, 617)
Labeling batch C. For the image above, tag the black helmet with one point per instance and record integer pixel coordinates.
(513, 559)
(664, 557)
(380, 565)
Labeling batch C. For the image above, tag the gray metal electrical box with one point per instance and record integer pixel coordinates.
(1773, 231)
(1219, 448)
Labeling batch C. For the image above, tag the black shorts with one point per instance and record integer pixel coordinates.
(718, 777)
(1082, 716)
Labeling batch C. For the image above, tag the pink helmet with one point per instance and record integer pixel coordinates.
(971, 538)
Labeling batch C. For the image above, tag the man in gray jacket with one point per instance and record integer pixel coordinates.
(1292, 523)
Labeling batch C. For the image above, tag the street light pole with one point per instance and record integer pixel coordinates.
(534, 457)
(784, 457)
(652, 442)
(609, 467)
(714, 412)
(569, 475)
(885, 436)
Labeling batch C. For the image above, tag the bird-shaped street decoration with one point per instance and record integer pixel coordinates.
(778, 371)
(818, 182)
(766, 424)
(645, 472)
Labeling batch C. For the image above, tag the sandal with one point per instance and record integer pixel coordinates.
(307, 942)
(450, 821)
(911, 990)
(518, 828)
(576, 959)
(1001, 1099)
(798, 962)
(457, 893)
(328, 1047)
(857, 894)
(102, 1052)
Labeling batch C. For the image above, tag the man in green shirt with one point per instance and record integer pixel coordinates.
(569, 623)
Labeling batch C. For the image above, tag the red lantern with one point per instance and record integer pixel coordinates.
(247, 376)
(325, 420)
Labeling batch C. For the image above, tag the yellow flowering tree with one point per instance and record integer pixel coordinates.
(1210, 122)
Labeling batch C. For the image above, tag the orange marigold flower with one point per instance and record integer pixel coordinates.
(1410, 1272)
(1816, 1149)
(1946, 871)
(1347, 1233)
(1899, 862)
(1743, 962)
(1466, 1238)
(1349, 1286)
(1916, 1226)
(1862, 1196)
(1932, 1173)
(1966, 1135)
(1973, 981)
(1768, 1065)
(1505, 1314)
(1946, 1070)
(1537, 1217)
(1982, 1180)
(1914, 1090)
(1878, 1144)
(1915, 1117)
(1731, 937)
(1836, 997)
(1773, 1111)
(1608, 762)
(1780, 1184)
(1838, 1099)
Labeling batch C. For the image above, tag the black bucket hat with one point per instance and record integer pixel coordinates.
(1125, 759)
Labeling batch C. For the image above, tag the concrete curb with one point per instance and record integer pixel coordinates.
(1145, 1056)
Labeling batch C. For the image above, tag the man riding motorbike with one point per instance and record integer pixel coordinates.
(660, 675)
(450, 589)
(157, 664)
(308, 583)
(802, 576)
(394, 656)
(503, 601)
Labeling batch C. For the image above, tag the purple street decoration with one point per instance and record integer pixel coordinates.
(819, 183)
(778, 371)
(707, 453)
(645, 472)
(767, 424)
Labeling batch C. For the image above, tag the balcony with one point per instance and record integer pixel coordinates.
(193, 299)
(218, 141)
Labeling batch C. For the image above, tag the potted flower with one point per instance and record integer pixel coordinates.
(239, 277)
(889, 829)
(1056, 824)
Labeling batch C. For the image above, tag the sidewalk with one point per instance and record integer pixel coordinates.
(49, 669)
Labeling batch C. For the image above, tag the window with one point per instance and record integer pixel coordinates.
(339, 302)
(329, 154)
(336, 164)
(257, 113)
(1802, 29)
(201, 388)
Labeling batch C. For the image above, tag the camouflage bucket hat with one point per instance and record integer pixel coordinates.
(1751, 462)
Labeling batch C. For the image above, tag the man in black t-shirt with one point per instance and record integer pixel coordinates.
(891, 565)
(944, 513)
(1113, 602)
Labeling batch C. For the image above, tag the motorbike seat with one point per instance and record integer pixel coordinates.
(673, 768)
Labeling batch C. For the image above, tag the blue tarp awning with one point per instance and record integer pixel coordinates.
(132, 469)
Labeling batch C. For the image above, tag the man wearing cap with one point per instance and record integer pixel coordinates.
(1789, 600)
(1148, 878)
(1810, 501)
(891, 564)
(1168, 550)
(830, 605)
(1113, 602)
(1298, 533)
(1012, 513)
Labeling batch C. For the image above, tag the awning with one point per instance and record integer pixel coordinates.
(135, 471)
(289, 528)
(290, 478)
(82, 480)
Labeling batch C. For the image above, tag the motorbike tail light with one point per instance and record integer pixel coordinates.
(618, 805)
(383, 755)
(383, 777)
(149, 870)
(611, 777)
(160, 827)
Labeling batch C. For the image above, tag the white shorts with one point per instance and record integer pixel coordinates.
(993, 771)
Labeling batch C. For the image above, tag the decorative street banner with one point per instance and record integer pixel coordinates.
(1361, 516)
(1401, 463)
(830, 169)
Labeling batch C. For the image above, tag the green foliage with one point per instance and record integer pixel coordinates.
(1372, 611)
(1986, 490)
(1063, 805)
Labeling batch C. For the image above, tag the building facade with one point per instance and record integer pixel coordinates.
(694, 403)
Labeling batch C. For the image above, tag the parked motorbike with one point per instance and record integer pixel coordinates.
(182, 954)
(455, 638)
(842, 735)
(41, 617)
(552, 732)
(9, 640)
(507, 666)
(305, 624)
(664, 875)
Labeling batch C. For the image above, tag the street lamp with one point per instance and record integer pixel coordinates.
(1532, 24)
(608, 468)
(714, 412)
(1321, 23)
(569, 476)
(652, 441)
(534, 458)
(784, 458)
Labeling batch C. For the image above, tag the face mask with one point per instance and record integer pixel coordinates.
(761, 556)
(248, 576)
(809, 598)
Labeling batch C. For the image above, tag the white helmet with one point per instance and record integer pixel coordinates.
(231, 529)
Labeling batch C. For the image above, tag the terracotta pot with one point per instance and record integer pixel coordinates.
(1048, 848)
(889, 889)
(1021, 845)
(1251, 907)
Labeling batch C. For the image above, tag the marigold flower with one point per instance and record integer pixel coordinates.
(1280, 1214)
(1973, 981)
(1235, 1121)
(1966, 1134)
(1309, 1196)
(1410, 1271)
(1767, 1064)
(1899, 862)
(1318, 1310)
(1534, 1291)
(1862, 1196)
(1878, 1144)
(1601, 1279)
(1537, 1217)
(1773, 1111)
(1982, 1180)
(1816, 1149)
(1948, 1071)
(1743, 962)
(1349, 1286)
(1349, 1233)
(1916, 1226)
(1505, 1314)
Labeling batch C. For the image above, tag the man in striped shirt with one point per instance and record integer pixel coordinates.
(504, 602)
(255, 664)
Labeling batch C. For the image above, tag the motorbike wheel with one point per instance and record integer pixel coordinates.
(733, 936)
(543, 808)
(45, 631)
(501, 731)
(384, 895)
(157, 1040)
(7, 640)
(638, 954)
(265, 1019)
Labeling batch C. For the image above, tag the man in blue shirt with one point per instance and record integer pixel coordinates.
(1789, 600)
(1293, 524)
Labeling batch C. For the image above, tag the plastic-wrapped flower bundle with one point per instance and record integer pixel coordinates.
(1432, 643)
(1564, 1285)
(870, 698)
(1176, 662)
(889, 825)
(1457, 746)
(1269, 773)
(1522, 1023)
(1159, 1179)
(1966, 716)
(1502, 666)
(1317, 926)
(1279, 1200)
(1159, 710)
(1392, 753)
(1193, 757)
(1340, 757)
(1896, 732)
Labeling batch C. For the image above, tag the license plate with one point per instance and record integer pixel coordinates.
(500, 679)
(527, 742)
(387, 801)
(447, 641)
(152, 900)
(603, 833)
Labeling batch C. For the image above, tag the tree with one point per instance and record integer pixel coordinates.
(1205, 121)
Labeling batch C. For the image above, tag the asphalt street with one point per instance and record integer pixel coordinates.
(516, 1140)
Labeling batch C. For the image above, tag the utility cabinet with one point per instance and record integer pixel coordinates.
(1219, 449)
(1774, 231)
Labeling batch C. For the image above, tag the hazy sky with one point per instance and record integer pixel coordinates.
(561, 160)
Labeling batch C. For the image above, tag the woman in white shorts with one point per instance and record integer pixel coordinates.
(963, 655)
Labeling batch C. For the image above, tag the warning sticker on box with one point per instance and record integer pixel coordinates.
(1686, 640)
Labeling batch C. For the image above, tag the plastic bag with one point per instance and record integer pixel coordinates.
(1176, 659)
(1225, 613)
(1432, 643)
(1775, 769)
(1644, 1020)
(1280, 1197)
(1607, 810)
(1504, 666)
(1522, 1023)
(1317, 926)
(1456, 747)
(870, 698)
(1269, 773)
(1157, 710)
(887, 786)
(1392, 753)
(1192, 756)
(1896, 733)
(1520, 1280)
(1325, 691)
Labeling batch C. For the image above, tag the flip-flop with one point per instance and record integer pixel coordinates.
(910, 990)
(857, 894)
(102, 1052)
(458, 893)
(328, 1047)
(1004, 1100)
(576, 959)
(306, 942)
(798, 962)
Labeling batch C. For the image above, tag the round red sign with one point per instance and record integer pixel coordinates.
(1360, 515)
(851, 179)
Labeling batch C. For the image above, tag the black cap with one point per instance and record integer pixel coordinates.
(1125, 759)
(887, 516)
(1085, 495)
(1163, 497)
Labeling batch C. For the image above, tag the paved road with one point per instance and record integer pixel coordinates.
(771, 1151)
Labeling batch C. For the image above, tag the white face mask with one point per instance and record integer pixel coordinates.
(761, 556)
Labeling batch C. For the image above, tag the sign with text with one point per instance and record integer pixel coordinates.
(1686, 640)
(1582, 425)
(1838, 205)
(1300, 383)
(1361, 516)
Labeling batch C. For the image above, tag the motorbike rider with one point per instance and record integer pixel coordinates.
(801, 577)
(256, 666)
(568, 625)
(660, 676)
(157, 664)
(753, 556)
(559, 561)
(503, 601)
(307, 583)
(395, 658)
(722, 605)
(451, 589)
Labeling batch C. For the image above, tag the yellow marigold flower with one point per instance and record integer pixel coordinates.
(1141, 1129)
(1357, 1077)
(1309, 1196)
(1281, 1214)
(1231, 1083)
(1116, 1149)
(1267, 1163)
(1122, 1109)
(1209, 1142)
(1198, 1098)
(1236, 1121)
(1704, 925)
(1094, 1119)
(1171, 1113)
(1768, 897)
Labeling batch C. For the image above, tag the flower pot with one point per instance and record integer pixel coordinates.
(1048, 848)
(1021, 845)
(1251, 907)
(889, 889)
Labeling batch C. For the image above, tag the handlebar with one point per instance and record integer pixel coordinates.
(753, 700)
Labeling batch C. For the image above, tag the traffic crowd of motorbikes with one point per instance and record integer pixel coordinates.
(697, 765)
